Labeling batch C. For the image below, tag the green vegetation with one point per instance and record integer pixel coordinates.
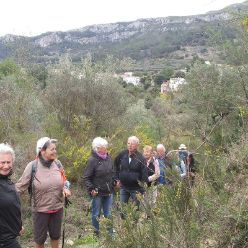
(77, 102)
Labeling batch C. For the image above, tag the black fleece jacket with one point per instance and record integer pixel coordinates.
(10, 210)
(99, 175)
(130, 174)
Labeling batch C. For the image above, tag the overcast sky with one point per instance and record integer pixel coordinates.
(33, 17)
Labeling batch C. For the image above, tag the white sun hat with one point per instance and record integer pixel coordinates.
(42, 141)
(182, 147)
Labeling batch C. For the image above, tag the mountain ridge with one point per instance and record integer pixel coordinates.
(117, 37)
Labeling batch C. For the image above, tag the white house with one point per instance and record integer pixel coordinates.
(130, 79)
(172, 85)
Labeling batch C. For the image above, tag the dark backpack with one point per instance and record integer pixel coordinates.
(33, 172)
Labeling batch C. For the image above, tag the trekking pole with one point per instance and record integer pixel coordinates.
(67, 203)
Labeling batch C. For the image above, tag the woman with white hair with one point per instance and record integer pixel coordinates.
(98, 179)
(10, 207)
(153, 173)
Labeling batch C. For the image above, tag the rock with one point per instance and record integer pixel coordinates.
(69, 242)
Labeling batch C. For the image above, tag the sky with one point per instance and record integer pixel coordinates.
(33, 17)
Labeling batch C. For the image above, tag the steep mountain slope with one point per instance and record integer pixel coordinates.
(173, 38)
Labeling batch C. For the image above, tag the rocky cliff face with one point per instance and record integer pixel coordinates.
(116, 34)
(49, 39)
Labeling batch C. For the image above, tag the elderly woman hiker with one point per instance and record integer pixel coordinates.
(98, 179)
(10, 208)
(153, 173)
(45, 175)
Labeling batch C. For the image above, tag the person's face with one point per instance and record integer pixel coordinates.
(6, 163)
(160, 152)
(131, 145)
(50, 152)
(147, 153)
(102, 150)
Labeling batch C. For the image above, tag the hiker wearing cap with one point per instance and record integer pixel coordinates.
(182, 152)
(98, 179)
(10, 207)
(46, 178)
(182, 160)
(130, 172)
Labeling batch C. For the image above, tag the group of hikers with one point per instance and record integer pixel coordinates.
(132, 172)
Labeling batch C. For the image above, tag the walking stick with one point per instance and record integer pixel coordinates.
(67, 203)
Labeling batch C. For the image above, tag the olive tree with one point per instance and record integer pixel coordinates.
(88, 91)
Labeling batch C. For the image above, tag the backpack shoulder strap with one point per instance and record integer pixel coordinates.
(61, 169)
(58, 163)
(31, 182)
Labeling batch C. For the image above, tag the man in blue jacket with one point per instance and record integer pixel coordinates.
(130, 171)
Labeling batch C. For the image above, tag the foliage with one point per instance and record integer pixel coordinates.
(8, 67)
(211, 96)
(74, 158)
(20, 109)
(164, 75)
(40, 73)
(245, 22)
(179, 74)
(77, 102)
(91, 92)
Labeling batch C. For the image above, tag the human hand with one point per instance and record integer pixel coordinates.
(66, 192)
(22, 231)
(94, 192)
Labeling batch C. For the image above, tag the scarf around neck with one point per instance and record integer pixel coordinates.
(46, 163)
(103, 156)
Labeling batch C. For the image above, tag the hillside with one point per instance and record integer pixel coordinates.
(76, 102)
(177, 39)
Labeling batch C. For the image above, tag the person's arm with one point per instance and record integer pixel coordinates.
(117, 167)
(156, 174)
(88, 175)
(24, 181)
(114, 180)
(144, 175)
(117, 163)
(66, 189)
